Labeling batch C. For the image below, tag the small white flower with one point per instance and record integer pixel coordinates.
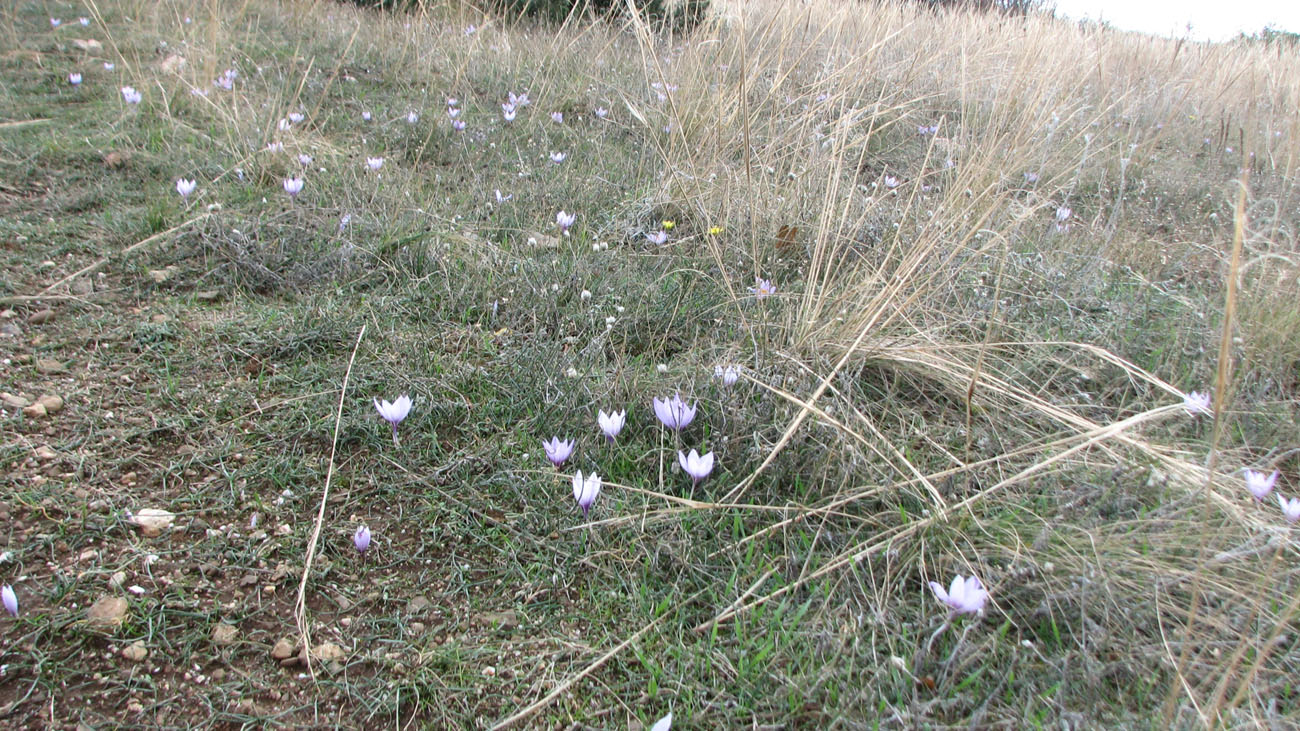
(84, 21)
(130, 95)
(558, 157)
(296, 117)
(109, 66)
(185, 187)
(74, 79)
(304, 160)
(586, 295)
(365, 116)
(412, 117)
(601, 112)
(557, 117)
(1290, 508)
(1196, 402)
(662, 368)
(374, 163)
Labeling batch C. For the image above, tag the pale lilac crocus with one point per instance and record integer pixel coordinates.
(361, 539)
(557, 117)
(452, 101)
(585, 491)
(283, 125)
(565, 221)
(10, 599)
(84, 21)
(601, 112)
(131, 96)
(891, 182)
(185, 187)
(658, 238)
(304, 160)
(394, 412)
(296, 117)
(55, 22)
(1196, 403)
(1290, 508)
(1259, 484)
(365, 116)
(1063, 213)
(964, 596)
(503, 198)
(611, 424)
(762, 288)
(374, 163)
(558, 157)
(458, 125)
(663, 724)
(276, 146)
(412, 117)
(74, 79)
(109, 65)
(728, 375)
(696, 466)
(508, 112)
(453, 112)
(674, 413)
(558, 451)
(293, 186)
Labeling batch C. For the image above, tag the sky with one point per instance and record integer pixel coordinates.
(1216, 20)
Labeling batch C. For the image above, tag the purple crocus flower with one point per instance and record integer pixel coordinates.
(674, 413)
(394, 412)
(10, 599)
(696, 466)
(611, 424)
(293, 186)
(565, 221)
(558, 451)
(1196, 403)
(964, 596)
(585, 491)
(1259, 484)
(361, 539)
(728, 375)
(658, 238)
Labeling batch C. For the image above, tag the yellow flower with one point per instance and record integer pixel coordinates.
(668, 225)
(715, 230)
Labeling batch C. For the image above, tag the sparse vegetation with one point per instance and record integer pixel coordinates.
(965, 291)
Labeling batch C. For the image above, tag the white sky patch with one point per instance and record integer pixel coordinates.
(1213, 20)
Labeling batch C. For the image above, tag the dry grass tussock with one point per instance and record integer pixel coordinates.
(924, 280)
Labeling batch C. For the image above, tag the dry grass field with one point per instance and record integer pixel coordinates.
(966, 271)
